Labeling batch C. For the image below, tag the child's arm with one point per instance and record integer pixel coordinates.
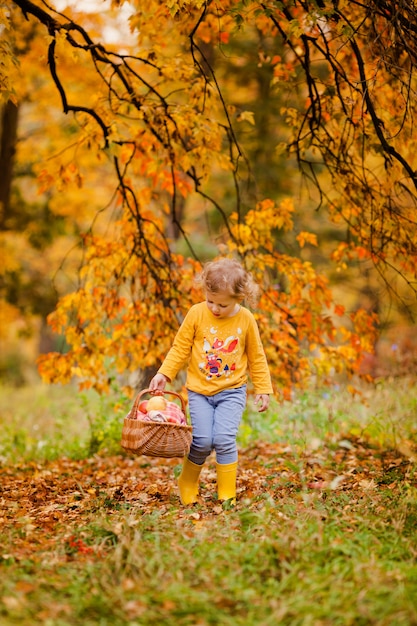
(158, 382)
(177, 356)
(258, 367)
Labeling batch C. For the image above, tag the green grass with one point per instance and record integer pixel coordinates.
(46, 422)
(385, 414)
(288, 555)
(255, 566)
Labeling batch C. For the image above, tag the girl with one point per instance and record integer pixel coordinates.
(219, 341)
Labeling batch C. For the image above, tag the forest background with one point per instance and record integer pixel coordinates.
(131, 153)
(138, 140)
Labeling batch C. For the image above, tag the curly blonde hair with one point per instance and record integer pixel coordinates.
(229, 276)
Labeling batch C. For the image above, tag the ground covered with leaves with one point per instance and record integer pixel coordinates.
(326, 537)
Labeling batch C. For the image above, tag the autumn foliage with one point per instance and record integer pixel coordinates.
(129, 322)
(157, 129)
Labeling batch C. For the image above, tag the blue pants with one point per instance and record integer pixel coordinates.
(215, 421)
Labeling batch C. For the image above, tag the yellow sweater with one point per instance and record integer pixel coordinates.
(218, 352)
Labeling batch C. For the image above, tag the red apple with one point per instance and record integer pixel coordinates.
(143, 406)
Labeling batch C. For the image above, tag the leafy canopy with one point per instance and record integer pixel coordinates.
(158, 110)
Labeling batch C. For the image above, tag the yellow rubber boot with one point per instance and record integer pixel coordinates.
(188, 481)
(226, 481)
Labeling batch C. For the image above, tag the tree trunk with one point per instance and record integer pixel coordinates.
(8, 138)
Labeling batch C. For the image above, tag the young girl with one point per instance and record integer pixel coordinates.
(219, 341)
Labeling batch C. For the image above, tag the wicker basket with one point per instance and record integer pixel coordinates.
(161, 439)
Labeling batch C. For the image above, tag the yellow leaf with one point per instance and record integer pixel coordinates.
(246, 116)
(305, 237)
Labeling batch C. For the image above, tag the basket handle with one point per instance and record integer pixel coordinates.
(158, 392)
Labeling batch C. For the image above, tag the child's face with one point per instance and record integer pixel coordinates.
(222, 304)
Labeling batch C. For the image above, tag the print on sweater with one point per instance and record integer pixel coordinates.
(219, 355)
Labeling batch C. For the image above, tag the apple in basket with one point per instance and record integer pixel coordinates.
(156, 403)
(143, 406)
